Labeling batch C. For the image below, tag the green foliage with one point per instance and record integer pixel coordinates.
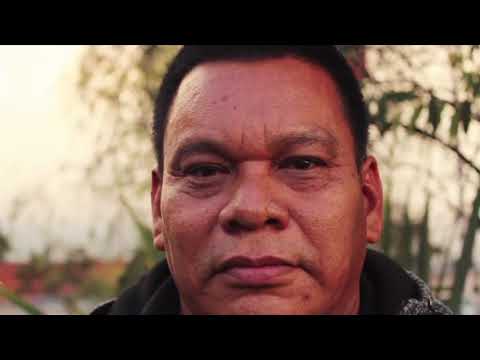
(408, 241)
(388, 225)
(18, 301)
(146, 255)
(435, 108)
(4, 246)
(472, 81)
(454, 124)
(55, 278)
(118, 84)
(405, 253)
(400, 104)
(96, 288)
(425, 249)
(464, 263)
(416, 114)
(389, 99)
(399, 96)
(38, 267)
(388, 96)
(465, 114)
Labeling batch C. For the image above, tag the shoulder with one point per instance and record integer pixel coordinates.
(104, 308)
(426, 303)
(133, 299)
(397, 290)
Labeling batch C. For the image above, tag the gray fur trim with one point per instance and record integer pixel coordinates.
(427, 304)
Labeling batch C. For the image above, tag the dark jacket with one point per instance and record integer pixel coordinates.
(385, 288)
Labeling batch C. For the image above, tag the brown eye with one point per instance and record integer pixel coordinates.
(205, 170)
(301, 163)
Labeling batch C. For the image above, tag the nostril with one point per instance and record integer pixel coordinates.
(234, 226)
(273, 222)
(276, 223)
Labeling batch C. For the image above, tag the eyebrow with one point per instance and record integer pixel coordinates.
(200, 146)
(279, 145)
(286, 142)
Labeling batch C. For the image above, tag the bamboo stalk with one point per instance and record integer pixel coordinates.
(424, 252)
(464, 263)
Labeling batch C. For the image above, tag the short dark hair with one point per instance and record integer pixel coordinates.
(328, 57)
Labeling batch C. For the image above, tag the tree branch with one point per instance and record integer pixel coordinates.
(443, 143)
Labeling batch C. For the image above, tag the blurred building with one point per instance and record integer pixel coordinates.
(49, 296)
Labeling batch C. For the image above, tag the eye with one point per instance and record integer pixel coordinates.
(205, 170)
(301, 163)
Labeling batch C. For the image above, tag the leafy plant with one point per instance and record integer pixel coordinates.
(146, 255)
(399, 104)
(4, 246)
(18, 301)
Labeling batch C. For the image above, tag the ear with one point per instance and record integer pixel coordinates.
(156, 197)
(373, 199)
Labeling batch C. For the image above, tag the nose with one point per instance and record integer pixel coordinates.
(253, 206)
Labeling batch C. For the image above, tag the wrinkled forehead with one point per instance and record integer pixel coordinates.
(255, 100)
(287, 74)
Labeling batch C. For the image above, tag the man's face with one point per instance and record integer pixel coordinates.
(260, 206)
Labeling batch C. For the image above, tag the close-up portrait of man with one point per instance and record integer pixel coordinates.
(264, 198)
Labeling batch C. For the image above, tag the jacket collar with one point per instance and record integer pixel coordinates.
(385, 288)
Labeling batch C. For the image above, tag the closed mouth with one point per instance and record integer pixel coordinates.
(245, 272)
(247, 262)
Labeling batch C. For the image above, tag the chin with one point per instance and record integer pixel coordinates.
(265, 305)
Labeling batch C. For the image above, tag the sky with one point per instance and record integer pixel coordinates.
(30, 112)
(39, 132)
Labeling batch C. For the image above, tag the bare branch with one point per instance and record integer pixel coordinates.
(443, 143)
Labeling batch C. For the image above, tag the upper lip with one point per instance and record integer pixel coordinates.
(244, 261)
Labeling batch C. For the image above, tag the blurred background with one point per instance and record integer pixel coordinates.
(76, 158)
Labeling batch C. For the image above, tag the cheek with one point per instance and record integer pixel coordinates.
(188, 224)
(335, 210)
(181, 212)
(333, 225)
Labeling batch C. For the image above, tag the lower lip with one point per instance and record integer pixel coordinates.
(259, 276)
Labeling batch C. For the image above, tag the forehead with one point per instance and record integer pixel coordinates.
(256, 100)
